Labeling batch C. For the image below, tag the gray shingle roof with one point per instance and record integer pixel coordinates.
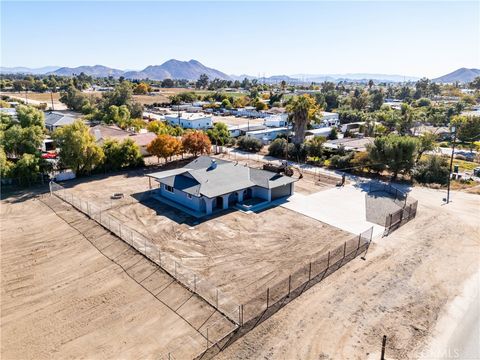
(199, 177)
(57, 119)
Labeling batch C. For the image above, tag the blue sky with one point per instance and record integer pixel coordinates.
(408, 38)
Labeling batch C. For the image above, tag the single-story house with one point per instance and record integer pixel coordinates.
(142, 139)
(279, 120)
(353, 126)
(330, 119)
(267, 135)
(322, 131)
(207, 183)
(241, 130)
(190, 120)
(55, 119)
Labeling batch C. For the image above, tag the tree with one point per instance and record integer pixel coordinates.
(119, 115)
(249, 143)
(78, 150)
(226, 104)
(376, 100)
(119, 155)
(315, 146)
(468, 128)
(168, 83)
(475, 84)
(434, 169)
(219, 134)
(202, 81)
(27, 169)
(196, 142)
(165, 146)
(394, 152)
(29, 116)
(302, 110)
(141, 89)
(333, 134)
(426, 142)
(18, 141)
(5, 165)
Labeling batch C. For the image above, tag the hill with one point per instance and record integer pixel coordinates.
(27, 70)
(462, 75)
(175, 69)
(95, 71)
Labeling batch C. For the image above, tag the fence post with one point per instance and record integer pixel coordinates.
(175, 268)
(207, 338)
(159, 258)
(217, 298)
(268, 295)
(239, 313)
(145, 246)
(328, 260)
(310, 271)
(289, 284)
(195, 283)
(384, 343)
(359, 239)
(344, 249)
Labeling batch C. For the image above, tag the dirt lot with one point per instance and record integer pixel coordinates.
(68, 295)
(239, 253)
(404, 287)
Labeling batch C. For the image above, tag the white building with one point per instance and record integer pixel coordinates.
(279, 120)
(267, 135)
(330, 119)
(190, 121)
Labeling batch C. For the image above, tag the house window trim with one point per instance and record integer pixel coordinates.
(168, 188)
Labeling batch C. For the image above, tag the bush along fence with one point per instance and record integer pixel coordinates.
(192, 281)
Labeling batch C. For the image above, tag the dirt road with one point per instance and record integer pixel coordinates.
(401, 290)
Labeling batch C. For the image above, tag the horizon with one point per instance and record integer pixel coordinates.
(438, 38)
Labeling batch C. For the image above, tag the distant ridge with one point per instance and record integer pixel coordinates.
(95, 71)
(462, 75)
(27, 70)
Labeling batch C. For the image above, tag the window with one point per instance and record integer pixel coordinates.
(169, 188)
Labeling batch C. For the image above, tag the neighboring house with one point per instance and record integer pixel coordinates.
(206, 184)
(267, 135)
(142, 139)
(442, 132)
(329, 119)
(352, 127)
(279, 120)
(322, 131)
(241, 130)
(56, 119)
(354, 144)
(190, 121)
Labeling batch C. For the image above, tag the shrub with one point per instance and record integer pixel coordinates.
(434, 169)
(250, 144)
(277, 148)
(341, 162)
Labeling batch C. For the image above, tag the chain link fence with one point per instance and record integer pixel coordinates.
(400, 217)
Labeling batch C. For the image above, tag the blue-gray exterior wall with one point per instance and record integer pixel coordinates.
(260, 192)
(194, 203)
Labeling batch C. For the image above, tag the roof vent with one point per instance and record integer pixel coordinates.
(213, 164)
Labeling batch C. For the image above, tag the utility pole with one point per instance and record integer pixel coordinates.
(51, 97)
(454, 129)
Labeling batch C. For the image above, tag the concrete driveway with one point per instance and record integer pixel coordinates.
(342, 207)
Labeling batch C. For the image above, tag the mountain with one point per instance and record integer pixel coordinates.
(175, 69)
(355, 77)
(462, 75)
(95, 71)
(26, 70)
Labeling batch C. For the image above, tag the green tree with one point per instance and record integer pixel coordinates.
(78, 149)
(433, 169)
(302, 110)
(468, 128)
(249, 143)
(30, 116)
(17, 140)
(5, 165)
(333, 134)
(202, 81)
(219, 134)
(119, 155)
(119, 115)
(27, 169)
(426, 142)
(394, 152)
(315, 146)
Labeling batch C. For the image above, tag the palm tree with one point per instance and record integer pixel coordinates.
(302, 109)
